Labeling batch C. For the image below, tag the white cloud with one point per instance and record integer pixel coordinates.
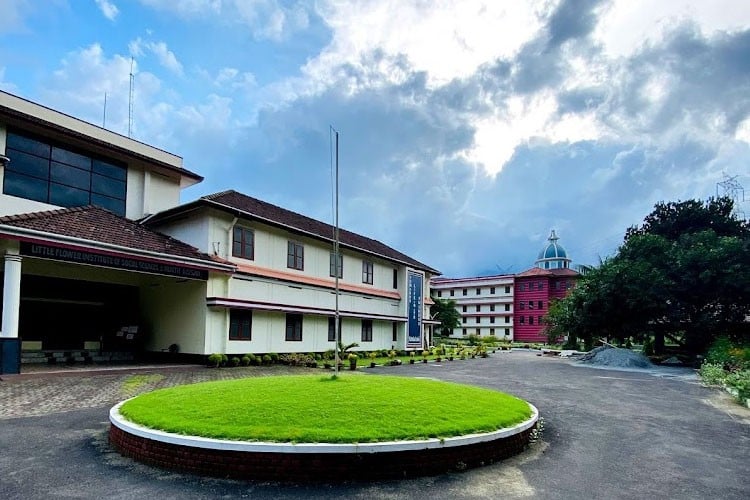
(12, 13)
(628, 25)
(109, 9)
(166, 57)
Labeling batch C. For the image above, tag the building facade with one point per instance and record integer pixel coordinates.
(485, 304)
(100, 256)
(513, 306)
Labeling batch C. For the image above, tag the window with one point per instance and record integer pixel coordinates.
(479, 291)
(507, 289)
(332, 265)
(492, 319)
(367, 272)
(440, 294)
(479, 308)
(452, 293)
(463, 308)
(522, 305)
(240, 324)
(531, 304)
(295, 256)
(293, 328)
(478, 319)
(395, 279)
(507, 331)
(243, 243)
(395, 332)
(540, 285)
(507, 307)
(492, 290)
(41, 171)
(332, 329)
(522, 319)
(478, 332)
(507, 319)
(492, 307)
(531, 320)
(464, 292)
(464, 331)
(541, 305)
(463, 319)
(557, 285)
(366, 330)
(492, 331)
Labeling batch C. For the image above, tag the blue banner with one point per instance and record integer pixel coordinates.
(415, 304)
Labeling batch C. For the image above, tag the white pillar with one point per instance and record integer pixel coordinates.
(11, 295)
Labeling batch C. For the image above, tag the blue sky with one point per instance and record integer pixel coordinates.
(469, 129)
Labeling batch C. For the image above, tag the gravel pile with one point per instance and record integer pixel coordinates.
(616, 357)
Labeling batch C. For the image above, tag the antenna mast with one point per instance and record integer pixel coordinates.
(731, 188)
(130, 100)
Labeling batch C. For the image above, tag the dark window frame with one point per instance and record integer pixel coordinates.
(240, 243)
(295, 255)
(366, 330)
(293, 329)
(332, 265)
(368, 272)
(238, 318)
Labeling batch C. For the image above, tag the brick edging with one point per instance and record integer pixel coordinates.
(311, 466)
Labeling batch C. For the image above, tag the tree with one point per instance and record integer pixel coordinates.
(445, 311)
(684, 274)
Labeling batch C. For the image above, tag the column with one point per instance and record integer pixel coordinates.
(11, 295)
(10, 344)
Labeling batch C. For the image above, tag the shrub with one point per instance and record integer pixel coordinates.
(472, 339)
(266, 359)
(731, 356)
(274, 357)
(740, 380)
(329, 354)
(245, 360)
(712, 373)
(214, 360)
(234, 361)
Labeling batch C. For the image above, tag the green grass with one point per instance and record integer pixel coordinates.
(314, 409)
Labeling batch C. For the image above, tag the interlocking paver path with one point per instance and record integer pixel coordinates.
(50, 391)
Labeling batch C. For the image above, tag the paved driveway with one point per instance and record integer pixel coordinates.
(608, 434)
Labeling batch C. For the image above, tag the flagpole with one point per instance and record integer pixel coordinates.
(336, 258)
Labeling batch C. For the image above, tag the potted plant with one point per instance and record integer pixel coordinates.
(411, 357)
(373, 355)
(424, 356)
(353, 361)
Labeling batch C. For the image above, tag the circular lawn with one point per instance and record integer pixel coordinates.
(315, 409)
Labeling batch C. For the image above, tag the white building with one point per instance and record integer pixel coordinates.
(484, 303)
(100, 256)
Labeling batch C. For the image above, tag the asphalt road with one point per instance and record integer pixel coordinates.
(607, 435)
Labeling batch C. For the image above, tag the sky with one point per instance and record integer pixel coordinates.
(467, 129)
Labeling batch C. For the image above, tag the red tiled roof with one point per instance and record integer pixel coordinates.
(536, 271)
(254, 208)
(99, 225)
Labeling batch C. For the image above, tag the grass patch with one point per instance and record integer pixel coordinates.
(314, 409)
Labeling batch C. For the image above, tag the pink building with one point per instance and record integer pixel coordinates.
(550, 279)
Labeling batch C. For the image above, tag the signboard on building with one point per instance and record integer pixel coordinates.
(128, 263)
(415, 305)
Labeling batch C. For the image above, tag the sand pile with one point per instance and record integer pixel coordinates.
(615, 357)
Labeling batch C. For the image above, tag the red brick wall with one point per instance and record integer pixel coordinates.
(312, 467)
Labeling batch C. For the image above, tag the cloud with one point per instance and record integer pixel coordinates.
(12, 14)
(109, 9)
(267, 19)
(166, 57)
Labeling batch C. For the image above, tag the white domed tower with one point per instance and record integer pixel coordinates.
(553, 255)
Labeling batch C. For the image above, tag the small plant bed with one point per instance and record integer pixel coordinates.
(314, 409)
(727, 365)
